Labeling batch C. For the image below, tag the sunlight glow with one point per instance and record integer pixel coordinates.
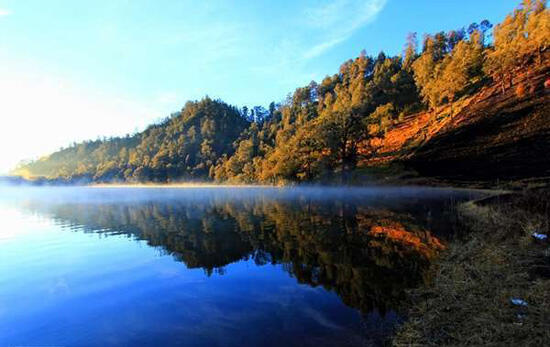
(41, 113)
(16, 224)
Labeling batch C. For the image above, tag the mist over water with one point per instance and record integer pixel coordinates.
(214, 266)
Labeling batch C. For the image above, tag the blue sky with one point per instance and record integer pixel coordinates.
(74, 70)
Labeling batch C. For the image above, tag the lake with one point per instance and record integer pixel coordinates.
(214, 266)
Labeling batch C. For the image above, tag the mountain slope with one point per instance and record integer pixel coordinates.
(184, 146)
(489, 135)
(498, 136)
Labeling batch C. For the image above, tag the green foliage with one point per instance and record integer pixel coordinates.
(186, 145)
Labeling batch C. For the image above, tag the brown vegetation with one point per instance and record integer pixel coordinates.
(497, 259)
(404, 241)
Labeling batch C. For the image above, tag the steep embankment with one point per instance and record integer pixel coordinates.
(491, 135)
(498, 135)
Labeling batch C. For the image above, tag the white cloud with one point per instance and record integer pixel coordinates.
(4, 12)
(313, 29)
(338, 20)
(327, 14)
(320, 48)
(216, 42)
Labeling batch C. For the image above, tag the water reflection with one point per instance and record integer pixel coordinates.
(368, 253)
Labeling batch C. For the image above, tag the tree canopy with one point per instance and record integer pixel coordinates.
(321, 130)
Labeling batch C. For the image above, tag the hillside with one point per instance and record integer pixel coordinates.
(468, 104)
(183, 146)
(495, 136)
(489, 136)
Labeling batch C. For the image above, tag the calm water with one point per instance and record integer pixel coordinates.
(213, 267)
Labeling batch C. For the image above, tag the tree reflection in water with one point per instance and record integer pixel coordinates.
(367, 255)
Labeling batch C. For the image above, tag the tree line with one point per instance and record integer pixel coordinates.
(323, 130)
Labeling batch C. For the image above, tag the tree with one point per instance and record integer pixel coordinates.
(443, 73)
(410, 53)
(425, 70)
(523, 34)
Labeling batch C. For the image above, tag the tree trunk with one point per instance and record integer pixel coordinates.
(343, 169)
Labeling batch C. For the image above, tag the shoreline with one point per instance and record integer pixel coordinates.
(490, 192)
(177, 185)
(376, 182)
(494, 258)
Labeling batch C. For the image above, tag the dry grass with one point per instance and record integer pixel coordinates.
(468, 301)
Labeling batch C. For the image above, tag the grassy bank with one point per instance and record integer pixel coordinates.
(495, 258)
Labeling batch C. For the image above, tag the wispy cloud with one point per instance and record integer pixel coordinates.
(320, 48)
(312, 29)
(4, 12)
(338, 20)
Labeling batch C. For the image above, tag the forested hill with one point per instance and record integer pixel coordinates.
(184, 146)
(475, 93)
